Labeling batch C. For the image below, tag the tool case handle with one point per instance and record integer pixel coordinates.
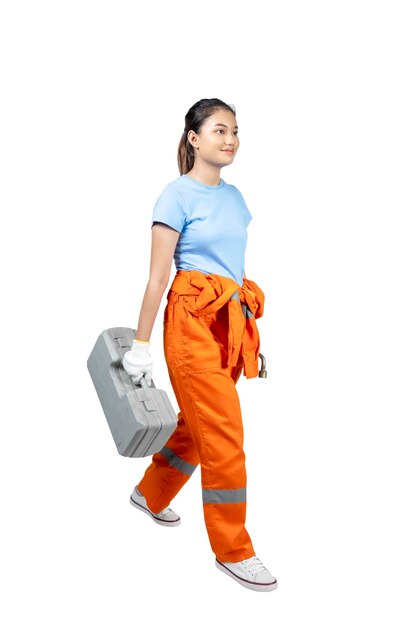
(144, 384)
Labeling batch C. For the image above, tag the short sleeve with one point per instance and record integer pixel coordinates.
(169, 209)
(246, 213)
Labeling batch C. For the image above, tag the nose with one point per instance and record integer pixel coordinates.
(230, 140)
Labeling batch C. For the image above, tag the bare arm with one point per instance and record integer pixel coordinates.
(164, 240)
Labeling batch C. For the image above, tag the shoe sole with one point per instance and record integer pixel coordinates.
(157, 520)
(246, 583)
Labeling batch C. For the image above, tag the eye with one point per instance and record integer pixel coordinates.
(220, 130)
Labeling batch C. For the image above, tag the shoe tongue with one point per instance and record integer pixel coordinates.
(165, 511)
(255, 565)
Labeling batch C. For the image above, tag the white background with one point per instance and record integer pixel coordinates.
(92, 110)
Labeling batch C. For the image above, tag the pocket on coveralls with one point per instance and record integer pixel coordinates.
(205, 340)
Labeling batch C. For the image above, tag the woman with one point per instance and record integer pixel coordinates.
(210, 336)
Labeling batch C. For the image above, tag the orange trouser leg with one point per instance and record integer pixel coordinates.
(209, 431)
(170, 468)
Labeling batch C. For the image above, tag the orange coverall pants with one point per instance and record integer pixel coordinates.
(210, 336)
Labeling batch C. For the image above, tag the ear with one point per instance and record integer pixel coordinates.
(193, 138)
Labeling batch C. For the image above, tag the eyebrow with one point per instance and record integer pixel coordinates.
(225, 125)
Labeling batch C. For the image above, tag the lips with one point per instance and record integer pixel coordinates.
(230, 151)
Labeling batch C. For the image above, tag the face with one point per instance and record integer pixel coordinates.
(217, 142)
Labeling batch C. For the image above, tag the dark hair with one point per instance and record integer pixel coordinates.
(194, 120)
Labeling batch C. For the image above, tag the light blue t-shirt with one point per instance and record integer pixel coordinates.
(212, 223)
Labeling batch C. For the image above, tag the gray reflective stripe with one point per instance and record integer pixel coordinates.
(182, 466)
(245, 309)
(224, 496)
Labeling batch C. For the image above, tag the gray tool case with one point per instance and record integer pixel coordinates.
(141, 417)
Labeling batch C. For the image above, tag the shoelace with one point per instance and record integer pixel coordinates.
(254, 565)
(161, 513)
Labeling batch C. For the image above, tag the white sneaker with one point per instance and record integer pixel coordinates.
(166, 517)
(250, 573)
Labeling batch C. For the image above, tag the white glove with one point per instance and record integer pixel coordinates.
(138, 362)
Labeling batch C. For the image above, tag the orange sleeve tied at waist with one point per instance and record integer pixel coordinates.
(245, 305)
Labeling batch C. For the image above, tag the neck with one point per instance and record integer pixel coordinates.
(209, 175)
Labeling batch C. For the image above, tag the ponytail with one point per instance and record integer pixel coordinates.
(185, 154)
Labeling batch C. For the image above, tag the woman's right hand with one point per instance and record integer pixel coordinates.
(138, 362)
